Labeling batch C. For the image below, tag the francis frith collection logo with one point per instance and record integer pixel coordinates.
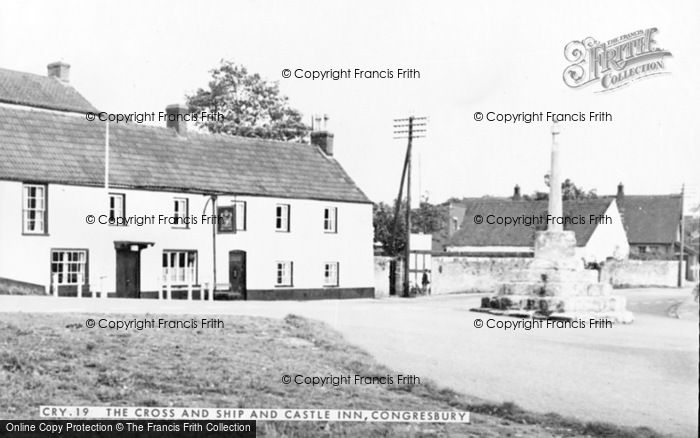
(614, 63)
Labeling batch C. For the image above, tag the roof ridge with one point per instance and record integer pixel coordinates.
(38, 91)
(23, 72)
(134, 125)
(55, 146)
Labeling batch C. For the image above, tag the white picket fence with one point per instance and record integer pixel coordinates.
(205, 290)
(80, 285)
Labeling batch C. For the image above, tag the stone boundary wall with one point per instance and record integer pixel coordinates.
(458, 273)
(641, 273)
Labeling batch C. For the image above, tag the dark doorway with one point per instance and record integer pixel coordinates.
(236, 272)
(128, 273)
(129, 268)
(392, 277)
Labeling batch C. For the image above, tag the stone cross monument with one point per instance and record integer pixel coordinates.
(555, 247)
(556, 284)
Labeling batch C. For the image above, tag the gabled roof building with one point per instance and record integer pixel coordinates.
(179, 209)
(652, 223)
(507, 227)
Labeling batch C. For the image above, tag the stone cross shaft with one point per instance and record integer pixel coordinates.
(555, 202)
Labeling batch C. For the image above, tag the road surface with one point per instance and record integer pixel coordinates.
(642, 374)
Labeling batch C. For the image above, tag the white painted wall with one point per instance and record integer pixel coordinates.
(27, 258)
(607, 240)
(421, 242)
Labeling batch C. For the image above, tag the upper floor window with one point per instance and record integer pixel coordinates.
(648, 249)
(282, 217)
(231, 218)
(34, 209)
(330, 219)
(68, 267)
(181, 211)
(116, 207)
(330, 274)
(240, 207)
(284, 273)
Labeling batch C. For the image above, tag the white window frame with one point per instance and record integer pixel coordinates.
(36, 214)
(284, 273)
(70, 266)
(113, 210)
(331, 277)
(282, 214)
(181, 266)
(239, 207)
(181, 211)
(330, 219)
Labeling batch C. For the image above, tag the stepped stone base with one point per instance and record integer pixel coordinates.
(568, 307)
(556, 286)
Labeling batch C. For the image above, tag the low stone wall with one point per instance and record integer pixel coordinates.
(454, 274)
(381, 276)
(641, 273)
(13, 287)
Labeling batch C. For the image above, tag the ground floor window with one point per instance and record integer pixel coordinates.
(284, 273)
(68, 266)
(180, 267)
(330, 274)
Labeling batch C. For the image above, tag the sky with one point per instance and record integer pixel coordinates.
(500, 56)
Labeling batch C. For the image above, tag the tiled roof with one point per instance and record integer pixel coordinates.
(651, 218)
(472, 234)
(41, 92)
(55, 147)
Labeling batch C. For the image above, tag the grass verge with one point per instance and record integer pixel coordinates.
(54, 359)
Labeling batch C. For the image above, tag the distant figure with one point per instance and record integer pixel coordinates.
(596, 266)
(425, 282)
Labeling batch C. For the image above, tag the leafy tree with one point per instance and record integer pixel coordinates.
(251, 106)
(383, 220)
(428, 219)
(569, 191)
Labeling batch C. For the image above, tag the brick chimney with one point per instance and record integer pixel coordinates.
(320, 136)
(516, 193)
(176, 118)
(59, 70)
(620, 193)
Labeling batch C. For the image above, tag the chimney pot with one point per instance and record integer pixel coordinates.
(59, 70)
(321, 137)
(620, 191)
(176, 115)
(516, 193)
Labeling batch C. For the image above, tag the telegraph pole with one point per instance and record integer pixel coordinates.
(682, 245)
(410, 128)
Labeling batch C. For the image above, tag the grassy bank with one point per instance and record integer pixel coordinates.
(54, 359)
